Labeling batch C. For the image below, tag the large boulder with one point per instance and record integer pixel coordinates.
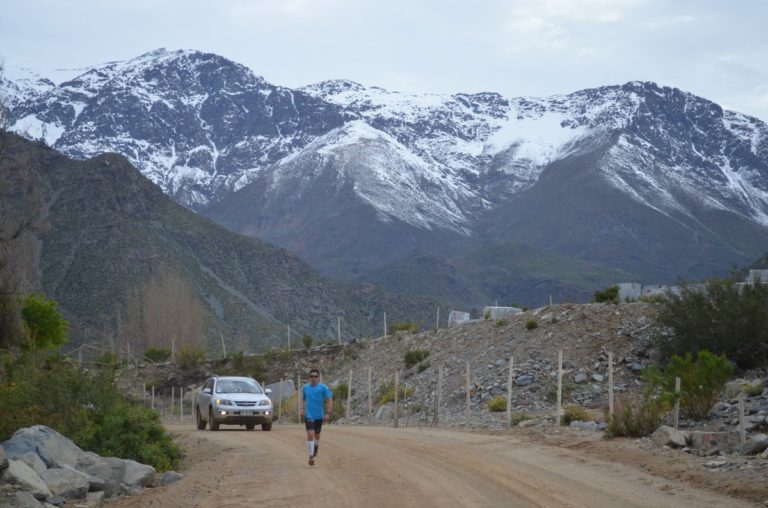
(137, 474)
(34, 461)
(19, 473)
(109, 469)
(755, 444)
(3, 459)
(20, 499)
(55, 449)
(668, 436)
(713, 442)
(66, 482)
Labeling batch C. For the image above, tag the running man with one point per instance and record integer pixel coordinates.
(316, 408)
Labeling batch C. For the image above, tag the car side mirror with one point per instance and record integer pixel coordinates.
(208, 390)
(268, 391)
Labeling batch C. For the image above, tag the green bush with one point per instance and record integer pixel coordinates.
(85, 406)
(575, 414)
(307, 341)
(726, 320)
(423, 366)
(190, 357)
(497, 404)
(608, 295)
(404, 327)
(501, 322)
(701, 381)
(133, 432)
(386, 392)
(531, 324)
(636, 418)
(157, 354)
(414, 356)
(516, 418)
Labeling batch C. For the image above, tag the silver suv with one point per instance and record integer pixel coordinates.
(233, 400)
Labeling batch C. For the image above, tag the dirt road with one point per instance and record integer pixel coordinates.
(373, 467)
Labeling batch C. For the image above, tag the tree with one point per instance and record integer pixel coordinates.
(724, 319)
(173, 313)
(22, 215)
(46, 327)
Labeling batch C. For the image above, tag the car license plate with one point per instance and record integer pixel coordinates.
(246, 413)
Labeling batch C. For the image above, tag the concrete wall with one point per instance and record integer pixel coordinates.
(457, 317)
(500, 312)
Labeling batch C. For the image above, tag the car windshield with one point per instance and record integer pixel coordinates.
(237, 386)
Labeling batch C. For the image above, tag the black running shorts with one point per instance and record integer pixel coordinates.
(316, 425)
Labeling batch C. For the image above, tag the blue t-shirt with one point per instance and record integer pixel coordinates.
(314, 400)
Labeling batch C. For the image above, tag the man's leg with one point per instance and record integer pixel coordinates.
(309, 425)
(318, 428)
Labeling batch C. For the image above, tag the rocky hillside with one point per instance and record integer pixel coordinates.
(124, 262)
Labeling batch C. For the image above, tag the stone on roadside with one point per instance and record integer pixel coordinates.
(666, 435)
(755, 444)
(19, 473)
(66, 482)
(55, 449)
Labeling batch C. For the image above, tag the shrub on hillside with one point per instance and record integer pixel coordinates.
(190, 357)
(608, 295)
(575, 414)
(724, 320)
(636, 418)
(307, 341)
(414, 356)
(497, 404)
(85, 406)
(157, 354)
(531, 324)
(516, 418)
(404, 327)
(701, 381)
(386, 392)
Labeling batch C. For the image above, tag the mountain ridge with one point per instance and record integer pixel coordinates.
(440, 173)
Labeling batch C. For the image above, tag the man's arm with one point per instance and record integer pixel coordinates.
(301, 404)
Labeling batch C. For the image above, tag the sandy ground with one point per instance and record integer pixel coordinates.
(378, 466)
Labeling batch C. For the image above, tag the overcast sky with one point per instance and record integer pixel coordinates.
(715, 49)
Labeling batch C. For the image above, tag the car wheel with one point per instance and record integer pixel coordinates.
(211, 422)
(266, 426)
(199, 419)
(250, 426)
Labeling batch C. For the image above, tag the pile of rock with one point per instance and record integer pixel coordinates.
(40, 467)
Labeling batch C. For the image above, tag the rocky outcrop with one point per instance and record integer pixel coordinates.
(39, 464)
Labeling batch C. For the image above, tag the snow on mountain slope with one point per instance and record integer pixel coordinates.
(202, 127)
(384, 174)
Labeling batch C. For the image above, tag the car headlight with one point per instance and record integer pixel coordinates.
(224, 402)
(264, 403)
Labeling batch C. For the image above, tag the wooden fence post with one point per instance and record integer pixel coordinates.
(370, 396)
(397, 389)
(181, 404)
(279, 401)
(349, 395)
(438, 391)
(509, 392)
(298, 398)
(559, 385)
(469, 407)
(610, 385)
(742, 423)
(677, 403)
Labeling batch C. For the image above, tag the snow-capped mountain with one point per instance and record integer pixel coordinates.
(354, 177)
(196, 124)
